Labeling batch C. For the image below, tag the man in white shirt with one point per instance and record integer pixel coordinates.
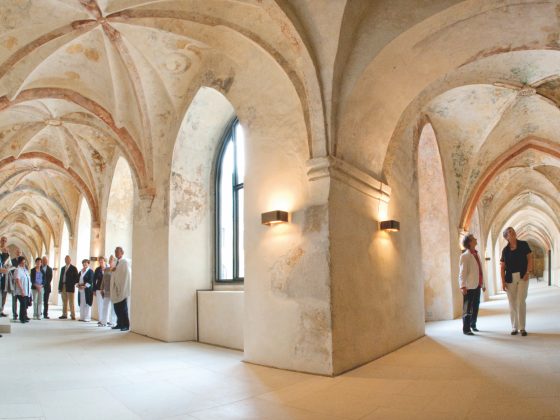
(120, 289)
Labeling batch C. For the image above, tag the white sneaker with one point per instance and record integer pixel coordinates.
(101, 325)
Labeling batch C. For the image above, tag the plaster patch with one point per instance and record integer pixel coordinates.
(75, 49)
(282, 268)
(315, 218)
(189, 202)
(312, 343)
(10, 43)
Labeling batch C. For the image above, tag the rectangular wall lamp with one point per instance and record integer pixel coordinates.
(93, 258)
(390, 226)
(273, 217)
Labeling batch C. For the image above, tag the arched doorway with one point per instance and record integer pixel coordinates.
(434, 229)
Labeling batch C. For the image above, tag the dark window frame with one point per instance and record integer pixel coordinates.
(229, 135)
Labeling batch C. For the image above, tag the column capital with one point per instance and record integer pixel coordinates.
(335, 168)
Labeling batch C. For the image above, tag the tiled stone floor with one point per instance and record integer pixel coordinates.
(69, 370)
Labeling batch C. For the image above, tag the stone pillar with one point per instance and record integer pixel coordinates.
(56, 274)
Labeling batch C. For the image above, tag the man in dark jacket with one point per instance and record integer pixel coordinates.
(3, 278)
(47, 280)
(67, 286)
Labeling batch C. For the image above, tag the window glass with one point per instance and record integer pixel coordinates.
(230, 225)
(240, 149)
(226, 214)
(240, 233)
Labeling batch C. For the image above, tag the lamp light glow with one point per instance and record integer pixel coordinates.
(390, 226)
(274, 217)
(93, 258)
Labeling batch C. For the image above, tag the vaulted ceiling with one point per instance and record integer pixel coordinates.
(83, 82)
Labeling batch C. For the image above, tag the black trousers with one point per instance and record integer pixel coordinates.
(471, 303)
(23, 302)
(46, 304)
(14, 306)
(121, 309)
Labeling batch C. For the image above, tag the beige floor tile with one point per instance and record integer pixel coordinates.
(257, 409)
(155, 400)
(425, 387)
(384, 413)
(318, 403)
(87, 404)
(20, 411)
(224, 390)
(300, 390)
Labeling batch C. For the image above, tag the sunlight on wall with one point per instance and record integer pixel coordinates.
(120, 211)
(84, 233)
(64, 244)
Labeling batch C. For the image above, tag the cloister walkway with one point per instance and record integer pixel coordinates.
(54, 369)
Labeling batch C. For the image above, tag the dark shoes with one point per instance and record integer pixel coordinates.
(46, 317)
(3, 314)
(475, 329)
(63, 317)
(125, 329)
(116, 327)
(523, 333)
(468, 333)
(514, 332)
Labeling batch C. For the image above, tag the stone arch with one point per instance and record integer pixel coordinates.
(191, 200)
(83, 233)
(434, 229)
(120, 210)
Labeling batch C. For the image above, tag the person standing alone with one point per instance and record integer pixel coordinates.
(120, 289)
(66, 288)
(47, 281)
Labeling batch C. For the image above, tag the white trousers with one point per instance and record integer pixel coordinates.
(37, 302)
(105, 312)
(99, 304)
(85, 309)
(517, 294)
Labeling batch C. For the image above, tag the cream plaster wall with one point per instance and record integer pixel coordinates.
(221, 318)
(120, 210)
(434, 225)
(191, 208)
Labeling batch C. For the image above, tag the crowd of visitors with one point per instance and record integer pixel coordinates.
(110, 283)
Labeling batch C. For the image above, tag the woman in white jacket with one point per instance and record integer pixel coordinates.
(471, 281)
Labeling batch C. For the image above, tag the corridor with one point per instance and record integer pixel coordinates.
(56, 370)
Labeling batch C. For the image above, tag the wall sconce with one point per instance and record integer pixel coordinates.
(273, 217)
(93, 258)
(487, 258)
(390, 226)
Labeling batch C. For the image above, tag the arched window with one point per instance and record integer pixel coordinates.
(230, 255)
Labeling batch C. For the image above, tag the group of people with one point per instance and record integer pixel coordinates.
(110, 283)
(515, 267)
